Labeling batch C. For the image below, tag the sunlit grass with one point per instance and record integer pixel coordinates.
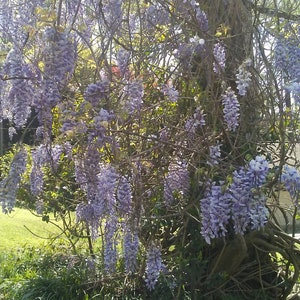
(22, 228)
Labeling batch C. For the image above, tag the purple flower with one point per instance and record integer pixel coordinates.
(201, 18)
(157, 15)
(90, 214)
(59, 56)
(243, 77)
(291, 180)
(215, 213)
(36, 180)
(257, 171)
(113, 15)
(214, 154)
(154, 266)
(96, 92)
(123, 57)
(219, 57)
(9, 185)
(196, 121)
(176, 183)
(124, 196)
(242, 204)
(135, 92)
(231, 109)
(170, 92)
(130, 247)
(110, 246)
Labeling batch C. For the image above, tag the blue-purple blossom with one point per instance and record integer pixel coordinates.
(243, 77)
(231, 109)
(123, 57)
(215, 213)
(241, 205)
(201, 18)
(131, 248)
(219, 58)
(124, 196)
(154, 266)
(196, 121)
(97, 132)
(135, 92)
(95, 92)
(170, 92)
(110, 246)
(176, 183)
(36, 180)
(157, 15)
(113, 15)
(291, 180)
(90, 214)
(258, 170)
(59, 56)
(20, 90)
(10, 184)
(214, 154)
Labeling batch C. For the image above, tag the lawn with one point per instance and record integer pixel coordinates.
(22, 228)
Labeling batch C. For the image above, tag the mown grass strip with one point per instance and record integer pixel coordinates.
(17, 228)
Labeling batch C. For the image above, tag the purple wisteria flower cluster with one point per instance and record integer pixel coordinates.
(123, 57)
(176, 183)
(44, 156)
(214, 154)
(10, 184)
(219, 58)
(243, 77)
(130, 248)
(154, 266)
(231, 109)
(170, 92)
(134, 91)
(241, 204)
(95, 92)
(19, 89)
(287, 60)
(196, 121)
(109, 200)
(291, 179)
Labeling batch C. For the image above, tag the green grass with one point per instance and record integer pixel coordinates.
(22, 228)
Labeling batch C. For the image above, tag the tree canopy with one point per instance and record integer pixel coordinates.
(167, 128)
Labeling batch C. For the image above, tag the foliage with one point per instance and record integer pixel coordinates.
(151, 125)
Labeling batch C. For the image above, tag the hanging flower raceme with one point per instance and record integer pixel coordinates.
(10, 184)
(219, 58)
(130, 248)
(135, 91)
(215, 213)
(20, 90)
(291, 180)
(201, 18)
(97, 92)
(110, 247)
(123, 57)
(154, 266)
(176, 183)
(243, 77)
(59, 56)
(241, 204)
(196, 121)
(170, 92)
(214, 154)
(124, 196)
(231, 109)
